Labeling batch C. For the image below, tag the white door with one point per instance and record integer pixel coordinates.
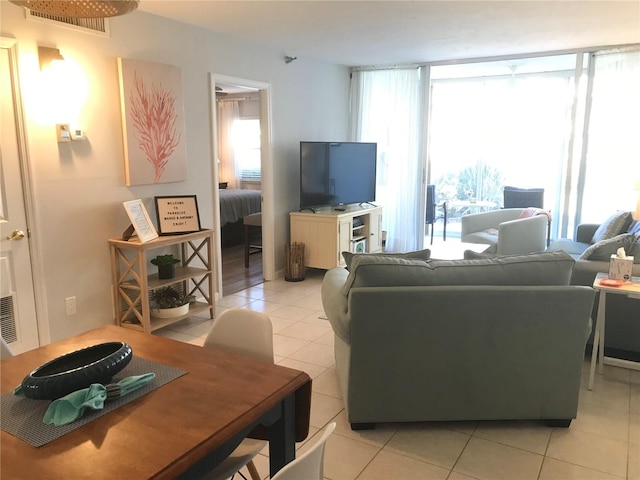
(18, 320)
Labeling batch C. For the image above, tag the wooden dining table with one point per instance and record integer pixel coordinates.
(175, 431)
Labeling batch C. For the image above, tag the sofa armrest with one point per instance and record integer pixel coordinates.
(585, 231)
(479, 222)
(521, 236)
(335, 302)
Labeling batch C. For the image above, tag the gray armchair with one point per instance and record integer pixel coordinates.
(505, 231)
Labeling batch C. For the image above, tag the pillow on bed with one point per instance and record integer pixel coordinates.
(417, 255)
(223, 185)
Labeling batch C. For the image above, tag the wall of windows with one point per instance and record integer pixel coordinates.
(567, 123)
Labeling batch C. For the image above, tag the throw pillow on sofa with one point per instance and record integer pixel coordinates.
(634, 227)
(417, 255)
(635, 250)
(612, 226)
(605, 248)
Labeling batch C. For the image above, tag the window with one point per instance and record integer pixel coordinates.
(246, 146)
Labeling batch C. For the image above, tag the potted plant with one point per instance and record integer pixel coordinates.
(166, 265)
(167, 302)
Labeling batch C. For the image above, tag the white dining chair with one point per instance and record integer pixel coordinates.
(5, 351)
(309, 465)
(249, 333)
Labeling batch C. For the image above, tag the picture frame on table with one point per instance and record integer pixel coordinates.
(140, 221)
(177, 214)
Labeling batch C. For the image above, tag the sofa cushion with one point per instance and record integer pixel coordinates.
(417, 255)
(472, 255)
(552, 268)
(612, 226)
(605, 248)
(486, 236)
(566, 245)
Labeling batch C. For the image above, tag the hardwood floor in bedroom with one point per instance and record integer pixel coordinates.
(234, 276)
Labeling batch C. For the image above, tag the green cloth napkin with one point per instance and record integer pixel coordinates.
(66, 409)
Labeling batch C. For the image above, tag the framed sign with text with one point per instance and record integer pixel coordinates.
(140, 221)
(177, 214)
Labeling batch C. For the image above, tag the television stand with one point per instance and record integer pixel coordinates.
(328, 233)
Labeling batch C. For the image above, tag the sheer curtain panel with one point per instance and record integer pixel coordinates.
(613, 151)
(387, 108)
(228, 113)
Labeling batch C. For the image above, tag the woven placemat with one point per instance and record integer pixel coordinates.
(22, 417)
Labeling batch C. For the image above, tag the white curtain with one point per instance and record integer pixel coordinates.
(228, 113)
(387, 108)
(613, 149)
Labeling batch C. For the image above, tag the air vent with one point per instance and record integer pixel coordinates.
(96, 26)
(8, 319)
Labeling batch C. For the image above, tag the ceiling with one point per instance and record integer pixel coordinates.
(360, 33)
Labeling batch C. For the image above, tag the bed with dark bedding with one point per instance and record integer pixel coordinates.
(235, 204)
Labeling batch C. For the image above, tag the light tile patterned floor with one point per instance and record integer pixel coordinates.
(602, 443)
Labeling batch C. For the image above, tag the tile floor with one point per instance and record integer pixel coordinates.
(602, 443)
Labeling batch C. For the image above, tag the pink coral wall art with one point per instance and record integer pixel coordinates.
(152, 122)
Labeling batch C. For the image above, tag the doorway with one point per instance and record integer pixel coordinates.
(19, 312)
(241, 172)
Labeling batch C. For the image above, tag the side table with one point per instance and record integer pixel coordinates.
(631, 290)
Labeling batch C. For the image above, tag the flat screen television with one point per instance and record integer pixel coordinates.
(337, 173)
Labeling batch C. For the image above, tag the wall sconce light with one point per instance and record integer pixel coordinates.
(47, 56)
(80, 8)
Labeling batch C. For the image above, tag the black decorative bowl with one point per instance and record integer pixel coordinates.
(76, 370)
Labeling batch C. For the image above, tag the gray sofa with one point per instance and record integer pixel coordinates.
(485, 339)
(622, 338)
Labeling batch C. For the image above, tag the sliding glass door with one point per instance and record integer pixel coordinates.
(500, 123)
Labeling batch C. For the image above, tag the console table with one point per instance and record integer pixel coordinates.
(631, 290)
(132, 283)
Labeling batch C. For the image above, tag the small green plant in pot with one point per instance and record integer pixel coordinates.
(166, 265)
(169, 302)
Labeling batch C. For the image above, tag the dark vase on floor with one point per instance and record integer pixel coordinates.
(166, 271)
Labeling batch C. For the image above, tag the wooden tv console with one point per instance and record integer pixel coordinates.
(327, 233)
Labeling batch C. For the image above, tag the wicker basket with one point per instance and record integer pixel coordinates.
(294, 262)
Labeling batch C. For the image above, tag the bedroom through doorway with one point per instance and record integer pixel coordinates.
(240, 185)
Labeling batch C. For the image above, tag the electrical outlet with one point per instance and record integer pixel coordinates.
(70, 304)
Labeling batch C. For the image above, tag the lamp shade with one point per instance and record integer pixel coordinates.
(80, 8)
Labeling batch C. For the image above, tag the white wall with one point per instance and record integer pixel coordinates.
(79, 186)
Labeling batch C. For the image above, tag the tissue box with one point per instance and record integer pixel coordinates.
(620, 268)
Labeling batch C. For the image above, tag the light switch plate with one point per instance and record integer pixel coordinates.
(62, 132)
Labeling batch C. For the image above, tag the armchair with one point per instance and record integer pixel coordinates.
(506, 231)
